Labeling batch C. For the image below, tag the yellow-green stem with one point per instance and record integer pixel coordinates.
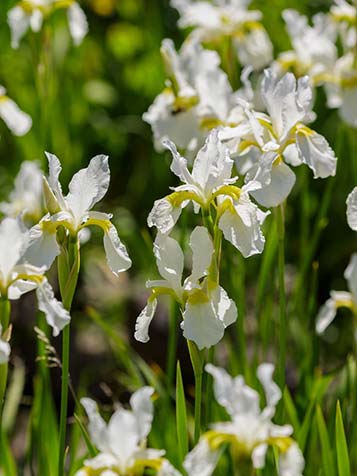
(197, 365)
(282, 297)
(68, 270)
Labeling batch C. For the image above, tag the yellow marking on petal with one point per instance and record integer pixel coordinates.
(301, 128)
(230, 190)
(283, 443)
(209, 123)
(227, 205)
(103, 224)
(183, 103)
(347, 303)
(350, 81)
(177, 198)
(4, 98)
(141, 464)
(197, 297)
(245, 144)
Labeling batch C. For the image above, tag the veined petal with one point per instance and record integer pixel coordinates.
(97, 426)
(178, 164)
(16, 120)
(116, 253)
(351, 275)
(201, 324)
(272, 391)
(88, 186)
(164, 215)
(315, 152)
(352, 209)
(291, 463)
(202, 460)
(282, 180)
(202, 252)
(169, 260)
(56, 315)
(143, 321)
(225, 307)
(77, 21)
(143, 410)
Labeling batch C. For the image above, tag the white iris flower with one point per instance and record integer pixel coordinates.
(210, 184)
(26, 198)
(206, 308)
(18, 276)
(16, 120)
(250, 431)
(74, 213)
(31, 14)
(352, 209)
(122, 441)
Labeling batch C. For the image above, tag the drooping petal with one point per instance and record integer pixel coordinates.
(291, 463)
(201, 324)
(116, 253)
(4, 349)
(272, 391)
(352, 209)
(88, 186)
(224, 306)
(241, 227)
(143, 410)
(169, 260)
(164, 215)
(325, 316)
(42, 247)
(282, 180)
(202, 252)
(351, 275)
(16, 120)
(97, 426)
(258, 456)
(20, 287)
(202, 460)
(56, 315)
(316, 153)
(77, 21)
(143, 321)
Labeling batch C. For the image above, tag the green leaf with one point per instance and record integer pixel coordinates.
(290, 409)
(343, 461)
(326, 453)
(86, 438)
(181, 415)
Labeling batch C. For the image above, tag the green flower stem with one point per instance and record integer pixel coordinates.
(172, 342)
(282, 297)
(197, 365)
(68, 270)
(4, 320)
(208, 390)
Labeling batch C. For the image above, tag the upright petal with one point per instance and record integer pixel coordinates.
(202, 251)
(202, 460)
(55, 168)
(169, 260)
(316, 153)
(88, 186)
(97, 426)
(178, 164)
(143, 410)
(352, 209)
(56, 315)
(19, 23)
(16, 120)
(143, 321)
(116, 253)
(123, 422)
(272, 391)
(12, 243)
(78, 25)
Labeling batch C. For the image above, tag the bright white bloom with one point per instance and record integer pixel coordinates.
(314, 50)
(26, 198)
(352, 209)
(250, 431)
(122, 441)
(282, 134)
(339, 299)
(73, 212)
(197, 98)
(209, 183)
(345, 15)
(18, 276)
(206, 308)
(16, 120)
(31, 14)
(4, 349)
(212, 21)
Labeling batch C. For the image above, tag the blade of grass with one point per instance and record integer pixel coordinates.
(326, 453)
(343, 461)
(181, 415)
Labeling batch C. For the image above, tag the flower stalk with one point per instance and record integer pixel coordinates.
(4, 323)
(282, 296)
(197, 365)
